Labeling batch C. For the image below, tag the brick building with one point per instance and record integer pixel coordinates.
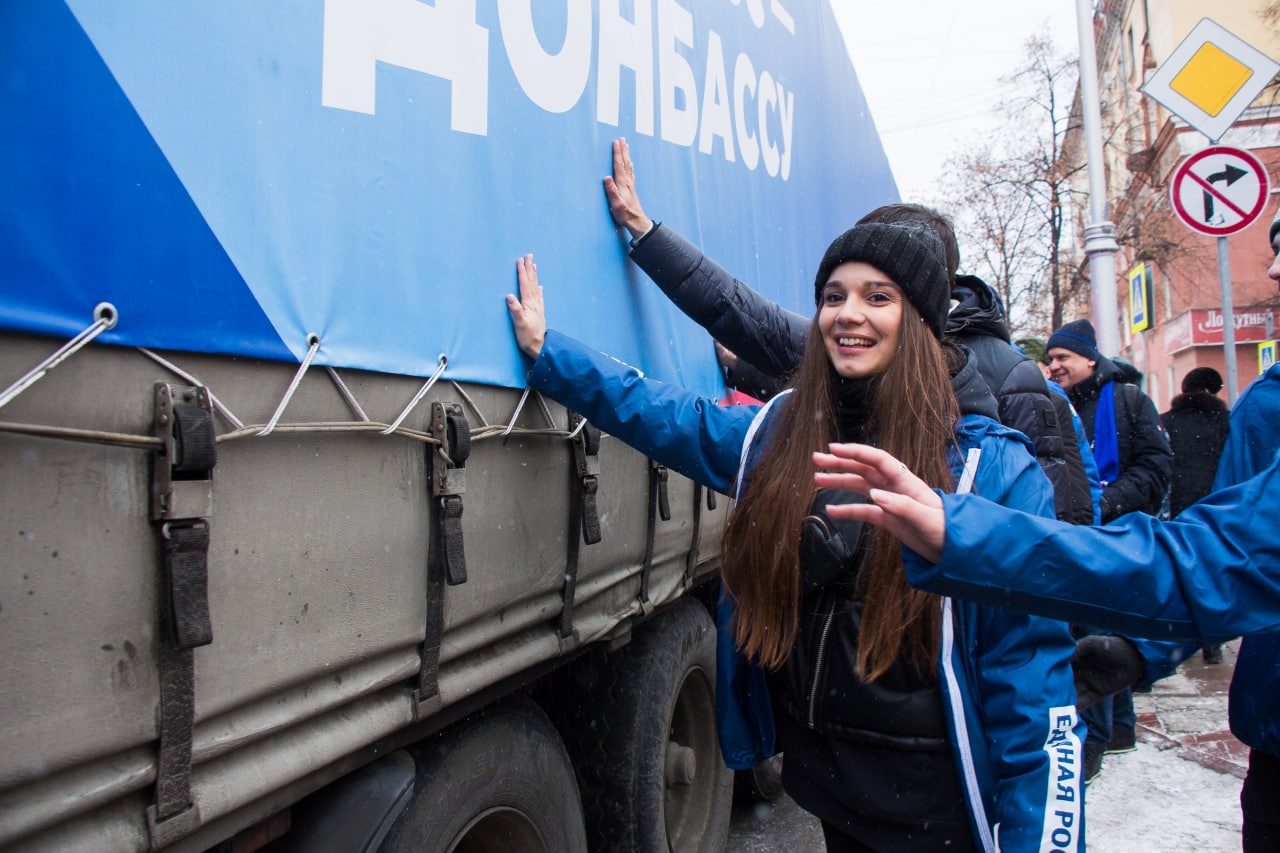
(1144, 144)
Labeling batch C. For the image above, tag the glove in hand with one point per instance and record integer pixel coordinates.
(1103, 666)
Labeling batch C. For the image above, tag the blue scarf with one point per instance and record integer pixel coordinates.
(1106, 447)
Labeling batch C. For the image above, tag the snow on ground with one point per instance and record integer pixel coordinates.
(1153, 801)
(1149, 801)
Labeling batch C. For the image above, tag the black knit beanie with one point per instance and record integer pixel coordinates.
(1077, 336)
(909, 253)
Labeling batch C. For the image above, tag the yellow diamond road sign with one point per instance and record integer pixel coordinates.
(1211, 78)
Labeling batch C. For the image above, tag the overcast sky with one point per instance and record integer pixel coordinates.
(931, 68)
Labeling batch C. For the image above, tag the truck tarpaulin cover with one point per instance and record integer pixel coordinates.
(235, 175)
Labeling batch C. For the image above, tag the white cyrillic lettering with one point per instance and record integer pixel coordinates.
(675, 26)
(744, 81)
(442, 40)
(1062, 746)
(768, 96)
(716, 120)
(625, 44)
(553, 81)
(784, 17)
(786, 114)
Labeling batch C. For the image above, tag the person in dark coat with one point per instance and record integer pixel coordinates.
(1197, 423)
(1084, 474)
(763, 334)
(1130, 447)
(1133, 458)
(978, 321)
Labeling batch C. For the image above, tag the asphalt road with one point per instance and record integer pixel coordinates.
(780, 825)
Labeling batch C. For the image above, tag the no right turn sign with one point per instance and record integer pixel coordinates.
(1220, 190)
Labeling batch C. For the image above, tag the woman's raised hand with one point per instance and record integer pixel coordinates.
(900, 501)
(528, 316)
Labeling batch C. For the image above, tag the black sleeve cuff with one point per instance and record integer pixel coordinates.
(636, 241)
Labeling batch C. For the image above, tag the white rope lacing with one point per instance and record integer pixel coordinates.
(313, 346)
(484, 428)
(104, 317)
(347, 395)
(472, 403)
(581, 423)
(520, 405)
(182, 374)
(442, 361)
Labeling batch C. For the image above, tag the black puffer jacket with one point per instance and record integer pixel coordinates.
(978, 322)
(1197, 424)
(757, 330)
(1144, 451)
(879, 739)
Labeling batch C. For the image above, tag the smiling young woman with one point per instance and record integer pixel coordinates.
(909, 722)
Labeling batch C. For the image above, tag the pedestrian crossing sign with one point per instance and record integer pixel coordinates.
(1210, 78)
(1266, 356)
(1140, 298)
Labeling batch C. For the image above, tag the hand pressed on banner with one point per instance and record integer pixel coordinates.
(528, 314)
(620, 190)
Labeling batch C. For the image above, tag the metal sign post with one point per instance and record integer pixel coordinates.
(1217, 192)
(1100, 244)
(1228, 321)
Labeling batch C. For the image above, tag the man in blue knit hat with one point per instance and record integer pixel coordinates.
(1129, 444)
(1133, 457)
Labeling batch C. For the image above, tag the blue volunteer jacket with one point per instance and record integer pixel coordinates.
(1005, 676)
(1211, 574)
(1252, 441)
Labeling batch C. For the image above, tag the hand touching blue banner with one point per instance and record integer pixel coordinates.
(236, 175)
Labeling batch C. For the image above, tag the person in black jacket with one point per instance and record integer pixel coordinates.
(978, 321)
(1133, 458)
(1197, 423)
(1131, 448)
(770, 338)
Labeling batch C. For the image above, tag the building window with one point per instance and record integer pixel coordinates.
(1130, 57)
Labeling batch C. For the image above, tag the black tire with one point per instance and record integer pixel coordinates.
(498, 782)
(642, 734)
(760, 784)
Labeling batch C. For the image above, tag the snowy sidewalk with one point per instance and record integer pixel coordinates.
(1180, 791)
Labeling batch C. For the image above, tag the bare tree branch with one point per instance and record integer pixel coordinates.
(1010, 194)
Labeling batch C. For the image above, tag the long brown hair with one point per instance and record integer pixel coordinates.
(913, 413)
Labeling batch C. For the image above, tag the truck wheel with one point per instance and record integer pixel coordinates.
(499, 782)
(646, 749)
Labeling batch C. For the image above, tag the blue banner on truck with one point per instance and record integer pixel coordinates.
(235, 175)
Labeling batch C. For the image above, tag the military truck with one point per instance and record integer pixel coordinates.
(289, 559)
